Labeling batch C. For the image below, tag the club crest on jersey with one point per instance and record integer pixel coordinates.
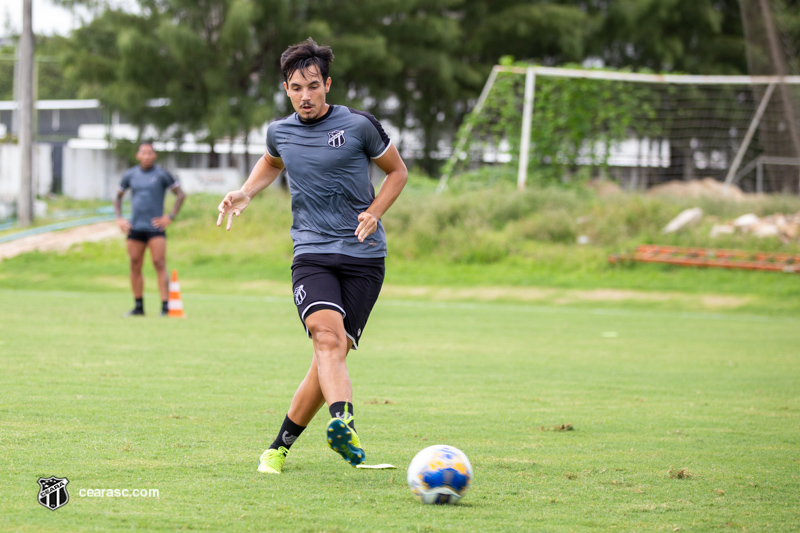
(336, 138)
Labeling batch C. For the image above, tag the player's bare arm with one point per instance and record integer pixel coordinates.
(264, 173)
(396, 178)
(124, 225)
(165, 220)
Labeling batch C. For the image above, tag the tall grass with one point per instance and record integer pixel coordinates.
(462, 238)
(489, 225)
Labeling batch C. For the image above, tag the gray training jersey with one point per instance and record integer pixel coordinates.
(148, 188)
(327, 161)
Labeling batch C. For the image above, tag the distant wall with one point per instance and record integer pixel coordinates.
(91, 174)
(10, 170)
(215, 180)
(96, 173)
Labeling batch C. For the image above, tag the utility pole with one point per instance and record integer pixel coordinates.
(25, 109)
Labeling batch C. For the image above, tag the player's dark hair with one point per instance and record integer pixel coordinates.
(305, 55)
(147, 143)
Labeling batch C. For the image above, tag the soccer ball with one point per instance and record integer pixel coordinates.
(439, 474)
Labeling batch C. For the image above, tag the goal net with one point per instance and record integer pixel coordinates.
(554, 124)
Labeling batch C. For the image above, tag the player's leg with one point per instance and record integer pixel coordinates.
(318, 297)
(360, 282)
(315, 287)
(331, 346)
(136, 249)
(309, 397)
(158, 253)
(307, 400)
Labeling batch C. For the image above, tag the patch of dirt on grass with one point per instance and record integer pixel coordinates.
(60, 240)
(524, 294)
(615, 295)
(680, 473)
(702, 188)
(559, 427)
(720, 301)
(560, 296)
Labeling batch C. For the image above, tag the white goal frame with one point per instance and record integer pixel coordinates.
(531, 73)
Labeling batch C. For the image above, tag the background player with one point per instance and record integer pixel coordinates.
(148, 183)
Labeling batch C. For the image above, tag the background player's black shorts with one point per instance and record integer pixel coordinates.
(145, 236)
(343, 283)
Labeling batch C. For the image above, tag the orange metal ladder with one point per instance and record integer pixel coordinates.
(710, 257)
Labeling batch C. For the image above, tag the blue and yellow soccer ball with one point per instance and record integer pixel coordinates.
(439, 474)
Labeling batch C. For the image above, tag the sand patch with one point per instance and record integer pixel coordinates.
(560, 296)
(60, 240)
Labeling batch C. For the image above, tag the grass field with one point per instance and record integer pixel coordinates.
(680, 421)
(588, 397)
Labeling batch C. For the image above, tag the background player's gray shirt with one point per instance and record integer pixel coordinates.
(148, 188)
(327, 161)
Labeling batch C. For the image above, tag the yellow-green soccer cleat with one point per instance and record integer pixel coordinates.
(271, 461)
(345, 442)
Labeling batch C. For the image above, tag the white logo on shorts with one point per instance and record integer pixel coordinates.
(299, 295)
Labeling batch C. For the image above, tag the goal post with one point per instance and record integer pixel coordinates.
(641, 129)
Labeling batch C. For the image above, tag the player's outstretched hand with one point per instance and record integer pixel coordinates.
(367, 224)
(233, 204)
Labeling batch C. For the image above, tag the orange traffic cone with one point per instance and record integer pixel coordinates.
(175, 305)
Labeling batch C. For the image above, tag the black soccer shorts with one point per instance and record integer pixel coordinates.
(145, 236)
(350, 285)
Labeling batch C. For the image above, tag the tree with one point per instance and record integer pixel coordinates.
(688, 36)
(203, 58)
(419, 63)
(400, 60)
(542, 31)
(217, 61)
(51, 81)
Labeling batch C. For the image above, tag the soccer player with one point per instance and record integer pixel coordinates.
(339, 241)
(148, 183)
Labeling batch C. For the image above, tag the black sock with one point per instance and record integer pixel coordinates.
(165, 306)
(140, 304)
(287, 435)
(338, 410)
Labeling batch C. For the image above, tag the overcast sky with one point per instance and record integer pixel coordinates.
(48, 18)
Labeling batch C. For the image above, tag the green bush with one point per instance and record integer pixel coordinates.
(487, 225)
